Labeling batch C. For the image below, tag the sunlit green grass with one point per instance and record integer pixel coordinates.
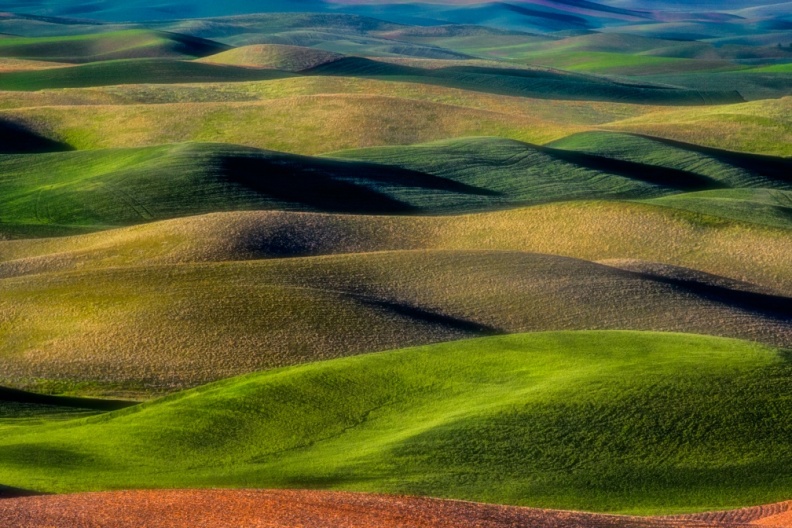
(610, 421)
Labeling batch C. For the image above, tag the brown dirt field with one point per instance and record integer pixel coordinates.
(318, 509)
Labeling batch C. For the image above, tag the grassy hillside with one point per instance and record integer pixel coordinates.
(764, 206)
(624, 63)
(112, 72)
(159, 328)
(732, 169)
(102, 188)
(589, 230)
(274, 56)
(645, 163)
(540, 83)
(752, 83)
(123, 186)
(128, 44)
(311, 124)
(612, 421)
(761, 127)
(550, 118)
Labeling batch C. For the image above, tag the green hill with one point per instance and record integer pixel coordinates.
(771, 207)
(760, 127)
(154, 329)
(521, 82)
(732, 169)
(133, 71)
(104, 188)
(610, 421)
(130, 44)
(124, 186)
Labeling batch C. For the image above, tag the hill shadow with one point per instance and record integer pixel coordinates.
(772, 167)
(334, 185)
(7, 492)
(771, 306)
(674, 178)
(20, 396)
(17, 139)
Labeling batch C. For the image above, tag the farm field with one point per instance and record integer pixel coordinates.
(395, 263)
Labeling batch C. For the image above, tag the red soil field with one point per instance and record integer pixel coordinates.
(320, 509)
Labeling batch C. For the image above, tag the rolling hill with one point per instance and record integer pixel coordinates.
(537, 83)
(732, 169)
(114, 187)
(132, 71)
(274, 56)
(129, 44)
(302, 124)
(765, 206)
(761, 127)
(153, 329)
(596, 231)
(609, 421)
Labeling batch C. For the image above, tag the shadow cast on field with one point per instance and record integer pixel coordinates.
(17, 139)
(771, 306)
(19, 396)
(772, 167)
(7, 492)
(679, 180)
(433, 318)
(334, 185)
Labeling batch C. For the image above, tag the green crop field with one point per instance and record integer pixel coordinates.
(531, 253)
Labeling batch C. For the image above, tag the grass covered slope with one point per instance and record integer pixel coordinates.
(114, 187)
(770, 207)
(761, 127)
(590, 230)
(126, 186)
(729, 168)
(538, 83)
(606, 421)
(101, 188)
(132, 71)
(154, 329)
(129, 44)
(303, 124)
(274, 56)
